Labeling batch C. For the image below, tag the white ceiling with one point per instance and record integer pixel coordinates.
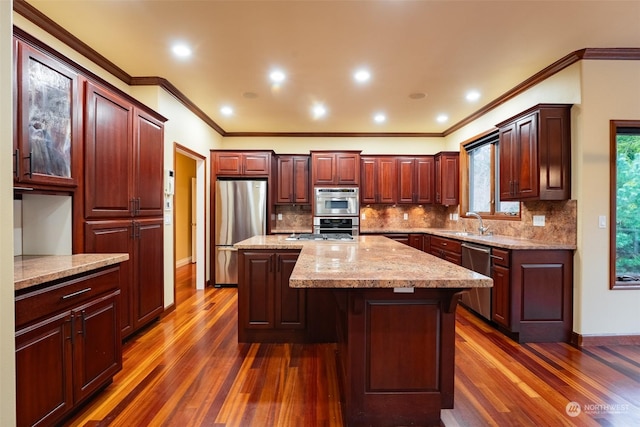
(440, 48)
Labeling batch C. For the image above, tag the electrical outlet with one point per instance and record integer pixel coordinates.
(279, 217)
(538, 220)
(406, 216)
(455, 216)
(363, 216)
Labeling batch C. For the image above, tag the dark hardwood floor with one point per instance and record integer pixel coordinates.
(189, 370)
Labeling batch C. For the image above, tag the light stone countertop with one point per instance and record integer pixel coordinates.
(37, 269)
(367, 262)
(498, 241)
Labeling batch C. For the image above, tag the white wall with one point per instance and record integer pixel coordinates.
(610, 91)
(7, 325)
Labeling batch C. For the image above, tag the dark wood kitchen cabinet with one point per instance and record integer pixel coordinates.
(501, 291)
(379, 179)
(48, 134)
(68, 344)
(330, 168)
(535, 154)
(292, 179)
(447, 185)
(268, 309)
(416, 177)
(242, 163)
(123, 158)
(447, 249)
(142, 276)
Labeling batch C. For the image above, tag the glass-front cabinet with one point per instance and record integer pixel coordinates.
(47, 94)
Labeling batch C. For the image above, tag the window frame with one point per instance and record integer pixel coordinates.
(466, 179)
(614, 125)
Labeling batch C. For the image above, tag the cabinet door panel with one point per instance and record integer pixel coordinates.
(44, 356)
(115, 237)
(508, 156)
(406, 180)
(284, 179)
(348, 169)
(301, 179)
(527, 167)
(323, 169)
(425, 174)
(108, 155)
(256, 281)
(49, 123)
(387, 180)
(368, 185)
(449, 180)
(148, 291)
(148, 169)
(501, 296)
(228, 163)
(97, 351)
(256, 164)
(290, 302)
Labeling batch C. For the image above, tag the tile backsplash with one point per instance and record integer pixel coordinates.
(560, 220)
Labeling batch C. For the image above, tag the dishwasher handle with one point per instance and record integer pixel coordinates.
(476, 248)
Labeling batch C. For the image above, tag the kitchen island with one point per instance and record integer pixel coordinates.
(395, 317)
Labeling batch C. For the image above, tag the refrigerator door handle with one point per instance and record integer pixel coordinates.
(223, 248)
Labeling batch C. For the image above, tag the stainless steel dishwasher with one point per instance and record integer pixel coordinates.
(477, 258)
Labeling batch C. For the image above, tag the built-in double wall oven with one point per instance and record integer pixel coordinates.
(336, 210)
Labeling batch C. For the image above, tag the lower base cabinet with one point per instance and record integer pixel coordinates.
(68, 344)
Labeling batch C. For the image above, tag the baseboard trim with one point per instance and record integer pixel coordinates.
(595, 340)
(182, 262)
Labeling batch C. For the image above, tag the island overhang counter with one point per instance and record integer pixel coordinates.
(395, 317)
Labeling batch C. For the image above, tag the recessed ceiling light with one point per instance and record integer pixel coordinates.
(250, 95)
(442, 118)
(181, 50)
(362, 75)
(379, 118)
(277, 76)
(318, 111)
(226, 110)
(473, 95)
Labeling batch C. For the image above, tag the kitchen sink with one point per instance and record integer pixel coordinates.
(459, 233)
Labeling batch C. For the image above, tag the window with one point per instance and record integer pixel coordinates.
(625, 205)
(483, 183)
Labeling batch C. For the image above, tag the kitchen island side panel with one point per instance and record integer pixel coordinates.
(396, 355)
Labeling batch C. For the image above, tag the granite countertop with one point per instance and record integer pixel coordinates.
(498, 241)
(36, 269)
(367, 262)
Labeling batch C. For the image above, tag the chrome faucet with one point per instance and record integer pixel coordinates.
(482, 229)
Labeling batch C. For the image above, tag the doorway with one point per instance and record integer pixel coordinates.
(189, 212)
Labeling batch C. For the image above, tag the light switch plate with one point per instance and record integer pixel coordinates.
(279, 217)
(602, 221)
(406, 216)
(538, 220)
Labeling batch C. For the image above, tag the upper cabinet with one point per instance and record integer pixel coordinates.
(447, 185)
(242, 163)
(48, 131)
(292, 179)
(416, 179)
(335, 168)
(535, 154)
(123, 158)
(379, 181)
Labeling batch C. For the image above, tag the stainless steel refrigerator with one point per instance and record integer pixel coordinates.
(241, 212)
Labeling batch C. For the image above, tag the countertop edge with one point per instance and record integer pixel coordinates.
(34, 270)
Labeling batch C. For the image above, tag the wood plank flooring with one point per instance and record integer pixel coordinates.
(189, 370)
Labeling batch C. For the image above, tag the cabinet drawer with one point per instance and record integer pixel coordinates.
(60, 296)
(447, 244)
(500, 257)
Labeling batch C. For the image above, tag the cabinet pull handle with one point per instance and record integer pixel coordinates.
(271, 264)
(137, 230)
(73, 329)
(30, 157)
(16, 163)
(497, 257)
(138, 206)
(75, 294)
(84, 324)
(132, 206)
